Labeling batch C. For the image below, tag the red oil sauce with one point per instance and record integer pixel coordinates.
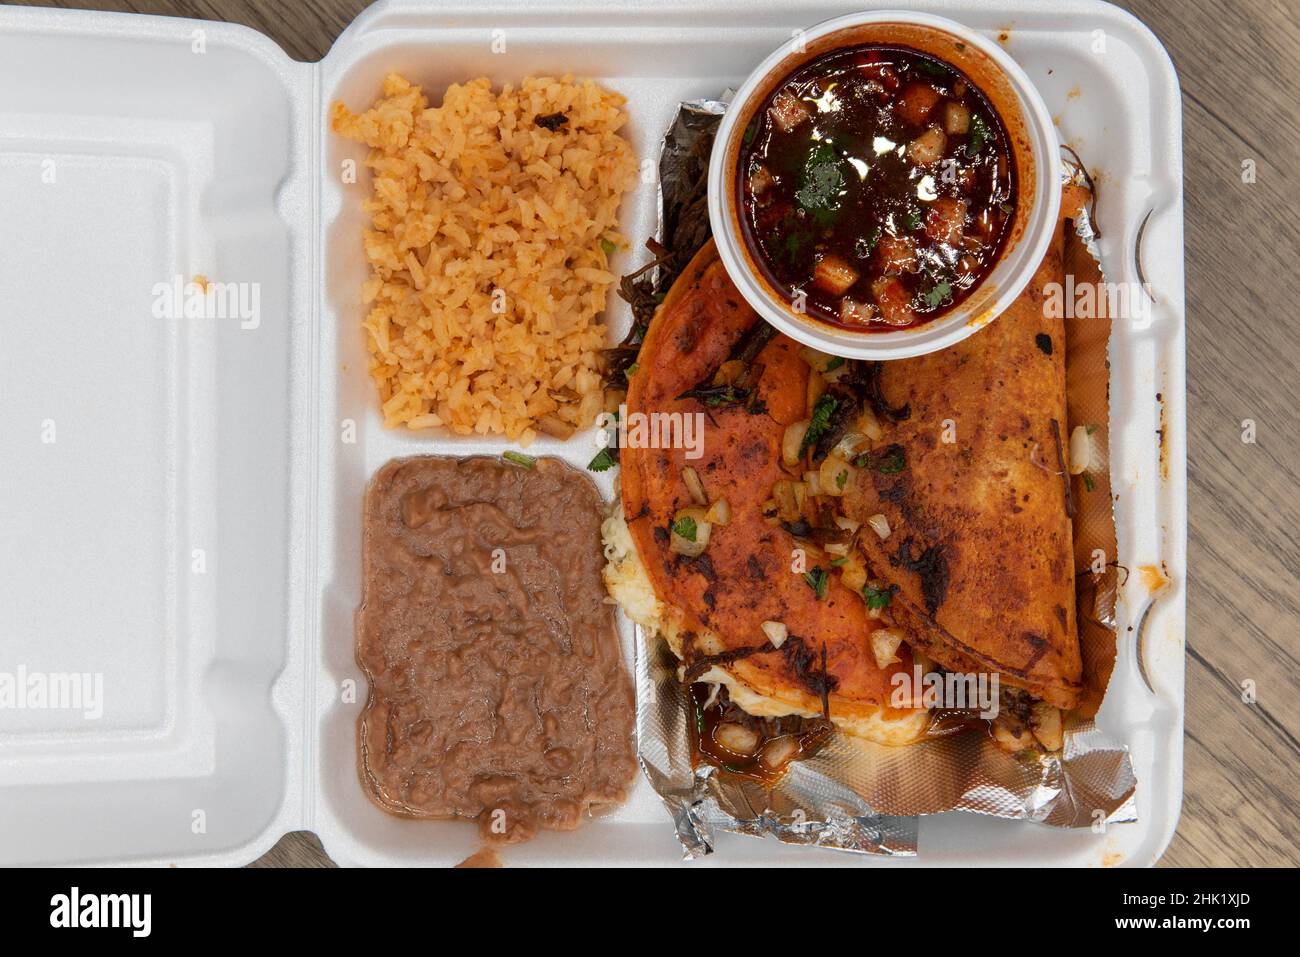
(876, 187)
(767, 745)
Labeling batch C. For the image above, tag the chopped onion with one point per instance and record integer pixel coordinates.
(719, 512)
(884, 645)
(800, 497)
(851, 444)
(694, 486)
(787, 504)
(684, 546)
(1080, 450)
(776, 632)
(816, 358)
(835, 475)
(714, 688)
(853, 573)
(1047, 726)
(879, 524)
(792, 440)
(814, 482)
(779, 752)
(737, 738)
(869, 425)
(847, 524)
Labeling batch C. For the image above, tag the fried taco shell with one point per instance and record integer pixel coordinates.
(713, 606)
(979, 545)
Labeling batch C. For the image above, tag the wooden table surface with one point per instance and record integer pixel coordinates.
(1239, 64)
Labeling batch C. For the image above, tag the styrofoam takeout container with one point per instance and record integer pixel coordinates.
(181, 506)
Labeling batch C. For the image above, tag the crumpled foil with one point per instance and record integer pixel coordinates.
(854, 795)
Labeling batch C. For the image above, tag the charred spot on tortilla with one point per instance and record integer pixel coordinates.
(1044, 342)
(1040, 646)
(876, 395)
(801, 659)
(931, 567)
(889, 460)
(894, 494)
(1063, 471)
(742, 389)
(704, 565)
(700, 665)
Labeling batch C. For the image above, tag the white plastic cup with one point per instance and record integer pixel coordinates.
(1034, 145)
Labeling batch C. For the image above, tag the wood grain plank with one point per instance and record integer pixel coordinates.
(1239, 65)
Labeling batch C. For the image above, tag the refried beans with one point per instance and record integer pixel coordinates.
(497, 686)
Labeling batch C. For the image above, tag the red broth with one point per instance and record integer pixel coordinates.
(876, 187)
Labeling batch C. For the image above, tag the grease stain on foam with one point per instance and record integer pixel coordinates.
(1154, 579)
(1162, 437)
(484, 857)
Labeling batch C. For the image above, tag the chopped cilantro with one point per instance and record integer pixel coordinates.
(631, 370)
(793, 245)
(930, 68)
(602, 462)
(864, 247)
(820, 421)
(979, 134)
(609, 247)
(685, 528)
(837, 562)
(821, 184)
(841, 479)
(835, 363)
(878, 597)
(937, 294)
(817, 580)
(1088, 482)
(518, 458)
(913, 220)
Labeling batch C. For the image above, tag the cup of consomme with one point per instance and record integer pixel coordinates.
(884, 185)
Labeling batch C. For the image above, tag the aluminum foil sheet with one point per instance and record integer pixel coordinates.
(853, 795)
